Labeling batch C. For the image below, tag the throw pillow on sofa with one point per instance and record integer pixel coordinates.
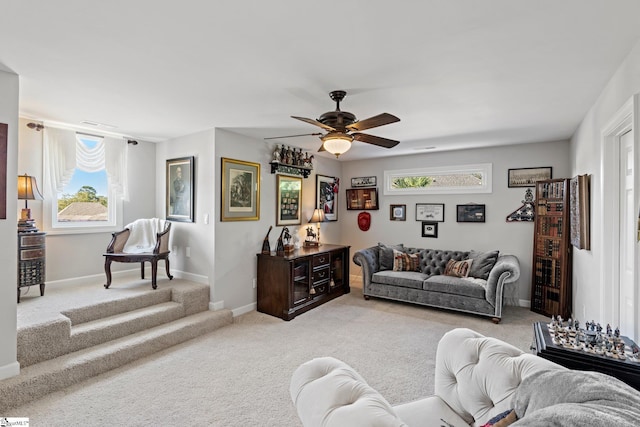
(458, 268)
(385, 255)
(405, 262)
(483, 262)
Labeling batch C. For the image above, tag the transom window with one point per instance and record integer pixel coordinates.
(439, 180)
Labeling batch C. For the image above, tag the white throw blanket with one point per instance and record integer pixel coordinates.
(142, 237)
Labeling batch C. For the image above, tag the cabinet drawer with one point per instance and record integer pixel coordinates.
(321, 260)
(31, 240)
(27, 254)
(321, 275)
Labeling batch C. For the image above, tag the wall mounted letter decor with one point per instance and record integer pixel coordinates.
(240, 191)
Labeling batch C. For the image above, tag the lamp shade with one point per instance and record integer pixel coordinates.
(337, 143)
(28, 188)
(318, 216)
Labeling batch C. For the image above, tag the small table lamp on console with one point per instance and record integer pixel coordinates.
(317, 217)
(27, 190)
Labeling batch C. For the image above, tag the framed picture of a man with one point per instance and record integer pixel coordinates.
(240, 190)
(180, 189)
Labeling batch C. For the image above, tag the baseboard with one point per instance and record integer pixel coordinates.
(197, 278)
(97, 278)
(524, 303)
(10, 370)
(245, 309)
(215, 306)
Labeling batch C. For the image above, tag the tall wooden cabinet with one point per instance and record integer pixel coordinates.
(292, 284)
(551, 282)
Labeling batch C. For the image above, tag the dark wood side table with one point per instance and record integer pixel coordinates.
(310, 276)
(31, 260)
(625, 370)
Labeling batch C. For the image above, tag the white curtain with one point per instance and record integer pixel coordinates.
(64, 152)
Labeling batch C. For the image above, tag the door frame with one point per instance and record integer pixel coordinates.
(623, 121)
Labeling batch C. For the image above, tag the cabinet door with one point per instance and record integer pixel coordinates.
(301, 281)
(337, 269)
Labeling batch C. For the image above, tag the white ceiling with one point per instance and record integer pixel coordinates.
(458, 73)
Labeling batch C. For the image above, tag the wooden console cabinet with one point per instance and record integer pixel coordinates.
(292, 284)
(31, 260)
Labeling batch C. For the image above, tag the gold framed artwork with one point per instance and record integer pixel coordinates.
(289, 200)
(180, 186)
(240, 190)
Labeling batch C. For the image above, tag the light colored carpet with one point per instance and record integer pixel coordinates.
(239, 375)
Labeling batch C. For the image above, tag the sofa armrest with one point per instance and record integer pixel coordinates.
(506, 271)
(329, 393)
(368, 260)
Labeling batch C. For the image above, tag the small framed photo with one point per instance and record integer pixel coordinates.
(180, 189)
(430, 212)
(470, 213)
(240, 192)
(429, 229)
(398, 213)
(527, 177)
(289, 200)
(363, 181)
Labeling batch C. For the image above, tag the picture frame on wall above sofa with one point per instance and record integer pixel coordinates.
(240, 192)
(429, 229)
(180, 187)
(433, 212)
(470, 213)
(289, 200)
(527, 177)
(398, 213)
(327, 196)
(362, 199)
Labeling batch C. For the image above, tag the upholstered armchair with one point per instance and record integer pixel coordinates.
(144, 240)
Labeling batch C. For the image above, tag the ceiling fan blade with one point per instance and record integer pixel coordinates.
(373, 122)
(293, 136)
(375, 140)
(321, 149)
(314, 122)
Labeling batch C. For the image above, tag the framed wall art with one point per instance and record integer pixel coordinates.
(289, 200)
(430, 212)
(180, 199)
(4, 128)
(470, 213)
(527, 177)
(398, 213)
(579, 211)
(364, 181)
(327, 196)
(362, 199)
(429, 229)
(240, 190)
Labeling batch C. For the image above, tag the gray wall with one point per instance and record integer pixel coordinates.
(495, 233)
(8, 229)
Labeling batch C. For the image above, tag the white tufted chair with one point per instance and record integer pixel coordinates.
(475, 379)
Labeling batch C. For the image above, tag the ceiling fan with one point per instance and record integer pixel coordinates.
(343, 128)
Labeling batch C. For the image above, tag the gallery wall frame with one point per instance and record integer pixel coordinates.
(359, 199)
(180, 189)
(364, 181)
(470, 213)
(398, 212)
(527, 177)
(327, 196)
(433, 212)
(240, 190)
(429, 229)
(579, 211)
(289, 200)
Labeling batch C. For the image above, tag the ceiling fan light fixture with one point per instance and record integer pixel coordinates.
(337, 143)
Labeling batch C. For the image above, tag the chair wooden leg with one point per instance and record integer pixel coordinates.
(166, 266)
(154, 273)
(107, 271)
(142, 270)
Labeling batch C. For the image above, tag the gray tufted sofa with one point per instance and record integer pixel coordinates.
(431, 287)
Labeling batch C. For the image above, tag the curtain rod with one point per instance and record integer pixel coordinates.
(89, 134)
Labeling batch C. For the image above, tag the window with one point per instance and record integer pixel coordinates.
(84, 185)
(439, 180)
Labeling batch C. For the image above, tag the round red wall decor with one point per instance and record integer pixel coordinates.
(364, 221)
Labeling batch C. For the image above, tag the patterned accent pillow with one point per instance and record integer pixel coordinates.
(405, 262)
(458, 268)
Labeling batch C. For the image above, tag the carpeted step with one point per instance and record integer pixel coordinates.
(42, 378)
(110, 328)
